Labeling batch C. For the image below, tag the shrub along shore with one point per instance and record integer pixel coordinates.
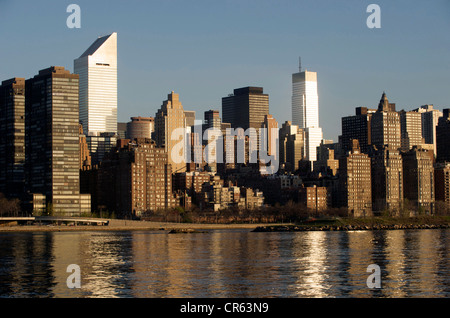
(362, 224)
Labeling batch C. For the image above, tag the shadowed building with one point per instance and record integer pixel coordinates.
(418, 179)
(12, 137)
(245, 108)
(52, 141)
(387, 180)
(357, 127)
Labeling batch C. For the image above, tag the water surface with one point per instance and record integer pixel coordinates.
(225, 263)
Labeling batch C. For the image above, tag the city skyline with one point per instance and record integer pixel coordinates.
(403, 58)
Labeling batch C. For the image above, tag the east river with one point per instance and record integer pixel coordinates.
(225, 263)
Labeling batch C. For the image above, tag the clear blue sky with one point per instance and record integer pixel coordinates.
(204, 49)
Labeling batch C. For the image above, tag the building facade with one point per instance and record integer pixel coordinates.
(12, 137)
(411, 129)
(97, 69)
(140, 127)
(169, 119)
(387, 181)
(52, 157)
(245, 108)
(418, 179)
(355, 182)
(357, 127)
(305, 110)
(136, 178)
(385, 125)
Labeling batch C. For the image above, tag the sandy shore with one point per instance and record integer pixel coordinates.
(127, 225)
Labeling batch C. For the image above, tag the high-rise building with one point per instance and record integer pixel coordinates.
(271, 126)
(430, 119)
(326, 163)
(245, 108)
(97, 68)
(357, 127)
(411, 129)
(418, 179)
(305, 110)
(85, 157)
(140, 127)
(385, 125)
(170, 117)
(443, 137)
(291, 146)
(442, 186)
(190, 118)
(136, 178)
(122, 130)
(355, 182)
(12, 137)
(52, 141)
(387, 180)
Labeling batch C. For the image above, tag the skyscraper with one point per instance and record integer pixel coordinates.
(385, 125)
(97, 68)
(430, 119)
(52, 141)
(411, 129)
(357, 127)
(305, 110)
(355, 182)
(245, 108)
(12, 137)
(418, 179)
(171, 116)
(387, 180)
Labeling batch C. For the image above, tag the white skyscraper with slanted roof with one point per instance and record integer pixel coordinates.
(97, 68)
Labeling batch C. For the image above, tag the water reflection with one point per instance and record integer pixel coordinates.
(225, 263)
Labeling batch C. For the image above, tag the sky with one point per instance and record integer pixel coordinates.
(203, 49)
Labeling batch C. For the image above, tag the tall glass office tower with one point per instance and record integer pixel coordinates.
(305, 110)
(97, 68)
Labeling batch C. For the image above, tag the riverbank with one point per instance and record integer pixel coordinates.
(334, 224)
(131, 225)
(362, 224)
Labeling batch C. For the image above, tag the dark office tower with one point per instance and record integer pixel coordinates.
(442, 187)
(418, 179)
(357, 127)
(387, 180)
(443, 137)
(12, 137)
(385, 125)
(52, 141)
(245, 108)
(212, 120)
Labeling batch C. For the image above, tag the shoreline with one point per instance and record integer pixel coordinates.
(338, 224)
(122, 225)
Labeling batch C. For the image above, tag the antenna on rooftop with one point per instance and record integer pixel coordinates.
(299, 63)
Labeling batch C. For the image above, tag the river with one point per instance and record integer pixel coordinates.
(225, 263)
